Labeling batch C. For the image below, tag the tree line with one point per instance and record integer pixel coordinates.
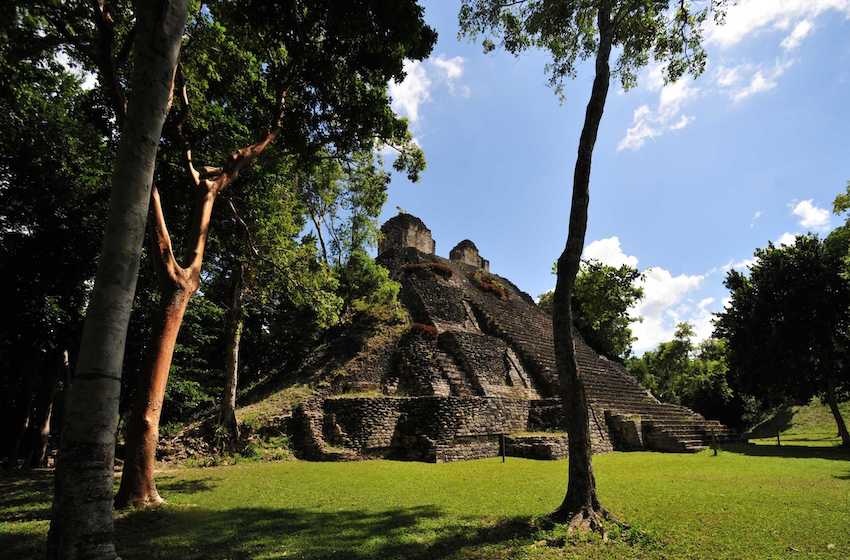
(226, 130)
(781, 340)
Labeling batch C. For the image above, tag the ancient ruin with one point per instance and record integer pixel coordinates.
(474, 375)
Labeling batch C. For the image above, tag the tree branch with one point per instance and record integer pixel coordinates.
(162, 238)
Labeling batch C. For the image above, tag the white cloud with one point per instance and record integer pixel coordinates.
(810, 215)
(749, 17)
(664, 302)
(452, 67)
(682, 123)
(648, 124)
(608, 251)
(663, 306)
(761, 81)
(412, 92)
(786, 238)
(418, 84)
(728, 77)
(800, 32)
(640, 131)
(756, 218)
(738, 265)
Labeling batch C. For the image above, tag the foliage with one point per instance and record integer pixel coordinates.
(811, 424)
(367, 289)
(487, 282)
(54, 165)
(670, 31)
(428, 331)
(696, 376)
(788, 321)
(794, 501)
(602, 297)
(437, 268)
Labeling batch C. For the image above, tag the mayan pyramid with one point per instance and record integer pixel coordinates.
(474, 375)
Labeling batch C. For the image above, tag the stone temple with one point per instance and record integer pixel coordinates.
(474, 375)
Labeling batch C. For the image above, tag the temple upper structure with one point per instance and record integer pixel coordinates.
(467, 253)
(406, 230)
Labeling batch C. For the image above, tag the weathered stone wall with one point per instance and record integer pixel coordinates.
(489, 363)
(427, 428)
(537, 446)
(467, 253)
(415, 367)
(423, 428)
(405, 230)
(626, 431)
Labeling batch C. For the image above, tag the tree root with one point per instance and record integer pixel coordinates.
(587, 519)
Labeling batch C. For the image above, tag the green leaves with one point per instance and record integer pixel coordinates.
(670, 31)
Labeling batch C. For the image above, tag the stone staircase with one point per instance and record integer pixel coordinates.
(609, 386)
(459, 383)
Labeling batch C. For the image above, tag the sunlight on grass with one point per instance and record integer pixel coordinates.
(740, 504)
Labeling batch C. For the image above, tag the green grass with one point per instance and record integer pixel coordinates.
(755, 502)
(810, 425)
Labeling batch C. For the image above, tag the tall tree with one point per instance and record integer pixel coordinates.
(788, 324)
(310, 75)
(573, 30)
(81, 525)
(602, 299)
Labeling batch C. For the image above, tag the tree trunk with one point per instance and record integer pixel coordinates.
(81, 524)
(581, 507)
(37, 456)
(137, 483)
(836, 413)
(24, 410)
(227, 416)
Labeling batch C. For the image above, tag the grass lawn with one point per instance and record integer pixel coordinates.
(811, 425)
(754, 502)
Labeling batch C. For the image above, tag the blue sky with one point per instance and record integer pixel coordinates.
(688, 178)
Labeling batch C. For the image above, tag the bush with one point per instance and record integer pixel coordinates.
(436, 268)
(489, 283)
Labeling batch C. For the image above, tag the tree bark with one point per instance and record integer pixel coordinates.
(179, 284)
(137, 487)
(581, 507)
(836, 413)
(40, 431)
(22, 417)
(235, 320)
(81, 525)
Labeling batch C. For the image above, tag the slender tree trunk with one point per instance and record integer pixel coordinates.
(137, 482)
(581, 507)
(37, 456)
(836, 413)
(24, 410)
(227, 416)
(81, 525)
(138, 488)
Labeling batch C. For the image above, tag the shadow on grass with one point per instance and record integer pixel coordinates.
(189, 532)
(25, 496)
(408, 533)
(778, 423)
(171, 485)
(791, 451)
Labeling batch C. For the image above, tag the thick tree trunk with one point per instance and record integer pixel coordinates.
(40, 430)
(581, 507)
(137, 482)
(81, 524)
(836, 413)
(227, 415)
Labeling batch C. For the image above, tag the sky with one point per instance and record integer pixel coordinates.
(688, 178)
